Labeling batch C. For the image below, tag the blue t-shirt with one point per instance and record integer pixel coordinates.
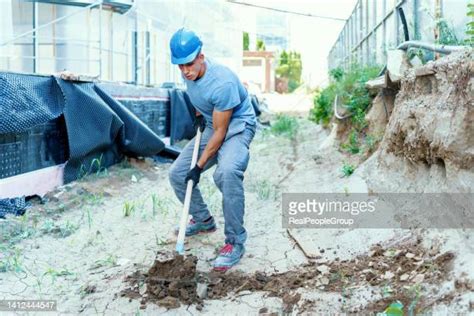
(220, 89)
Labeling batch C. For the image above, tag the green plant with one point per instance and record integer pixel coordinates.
(352, 145)
(93, 199)
(322, 109)
(260, 45)
(285, 125)
(447, 36)
(128, 208)
(245, 39)
(347, 169)
(10, 260)
(290, 67)
(336, 74)
(67, 229)
(371, 142)
(160, 241)
(110, 261)
(162, 205)
(470, 25)
(96, 167)
(358, 119)
(17, 229)
(394, 309)
(263, 189)
(154, 202)
(417, 52)
(63, 230)
(351, 91)
(89, 217)
(125, 164)
(53, 273)
(415, 293)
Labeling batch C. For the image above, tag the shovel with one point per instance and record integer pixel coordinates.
(187, 198)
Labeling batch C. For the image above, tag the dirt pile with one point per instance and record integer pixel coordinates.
(432, 122)
(402, 266)
(167, 283)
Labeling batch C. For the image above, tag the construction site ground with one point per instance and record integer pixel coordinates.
(91, 245)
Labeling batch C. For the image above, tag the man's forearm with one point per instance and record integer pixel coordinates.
(215, 142)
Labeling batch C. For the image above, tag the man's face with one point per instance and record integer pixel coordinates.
(193, 70)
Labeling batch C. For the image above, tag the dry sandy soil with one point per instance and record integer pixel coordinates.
(92, 246)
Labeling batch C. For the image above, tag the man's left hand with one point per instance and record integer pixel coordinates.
(193, 174)
(199, 123)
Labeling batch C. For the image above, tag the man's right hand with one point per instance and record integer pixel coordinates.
(199, 122)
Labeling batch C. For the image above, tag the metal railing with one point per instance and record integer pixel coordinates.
(375, 27)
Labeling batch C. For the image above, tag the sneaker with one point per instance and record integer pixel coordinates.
(194, 228)
(228, 257)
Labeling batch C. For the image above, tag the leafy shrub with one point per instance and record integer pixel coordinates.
(322, 109)
(285, 125)
(352, 145)
(350, 87)
(347, 169)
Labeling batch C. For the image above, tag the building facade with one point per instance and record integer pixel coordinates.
(120, 40)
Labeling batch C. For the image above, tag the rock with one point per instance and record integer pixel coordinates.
(424, 71)
(376, 83)
(419, 278)
(404, 277)
(416, 62)
(169, 302)
(377, 118)
(143, 289)
(324, 281)
(122, 261)
(370, 276)
(388, 275)
(384, 265)
(397, 64)
(201, 290)
(323, 268)
(134, 179)
(410, 255)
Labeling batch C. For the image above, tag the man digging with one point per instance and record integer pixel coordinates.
(228, 121)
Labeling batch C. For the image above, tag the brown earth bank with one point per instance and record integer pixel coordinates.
(433, 117)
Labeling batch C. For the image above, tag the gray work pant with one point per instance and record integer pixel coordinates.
(232, 159)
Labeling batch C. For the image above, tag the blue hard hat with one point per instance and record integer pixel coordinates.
(184, 45)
